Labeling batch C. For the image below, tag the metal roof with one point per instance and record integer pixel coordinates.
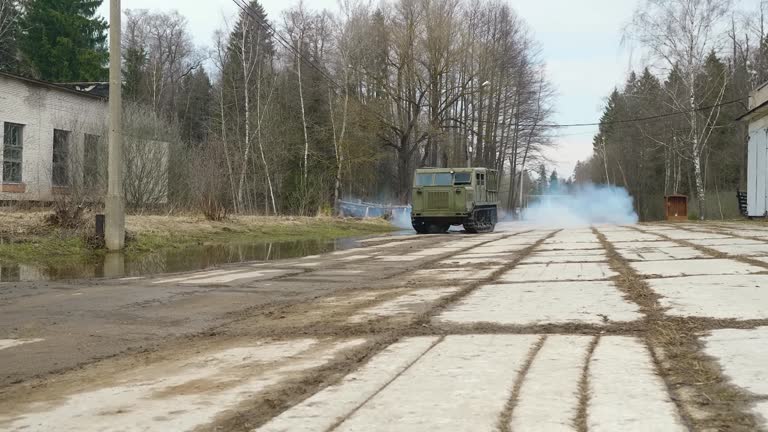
(754, 112)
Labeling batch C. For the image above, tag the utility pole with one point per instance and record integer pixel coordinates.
(114, 232)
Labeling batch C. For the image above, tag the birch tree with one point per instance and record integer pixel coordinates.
(298, 23)
(680, 34)
(250, 77)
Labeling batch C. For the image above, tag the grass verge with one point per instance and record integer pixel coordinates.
(26, 239)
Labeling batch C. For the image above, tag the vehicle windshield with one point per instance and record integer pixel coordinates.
(423, 179)
(462, 178)
(443, 179)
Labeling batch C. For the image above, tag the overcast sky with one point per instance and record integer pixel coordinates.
(580, 40)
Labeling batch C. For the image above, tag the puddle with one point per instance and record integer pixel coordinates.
(188, 259)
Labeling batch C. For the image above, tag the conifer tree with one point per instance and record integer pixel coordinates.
(64, 40)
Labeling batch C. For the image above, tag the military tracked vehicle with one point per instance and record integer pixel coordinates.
(443, 197)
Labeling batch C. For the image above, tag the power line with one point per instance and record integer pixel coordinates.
(649, 118)
(612, 122)
(247, 9)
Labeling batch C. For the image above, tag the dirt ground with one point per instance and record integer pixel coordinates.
(648, 327)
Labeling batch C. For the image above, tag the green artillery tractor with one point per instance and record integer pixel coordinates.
(454, 196)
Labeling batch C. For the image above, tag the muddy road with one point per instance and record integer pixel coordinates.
(647, 327)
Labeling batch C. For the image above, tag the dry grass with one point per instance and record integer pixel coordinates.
(581, 422)
(19, 223)
(505, 418)
(13, 221)
(198, 224)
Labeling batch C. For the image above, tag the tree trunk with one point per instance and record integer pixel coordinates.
(338, 144)
(259, 118)
(700, 191)
(696, 149)
(303, 115)
(247, 107)
(226, 148)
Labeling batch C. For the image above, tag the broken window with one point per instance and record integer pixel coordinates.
(12, 152)
(60, 158)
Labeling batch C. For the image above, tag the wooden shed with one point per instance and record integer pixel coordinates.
(676, 207)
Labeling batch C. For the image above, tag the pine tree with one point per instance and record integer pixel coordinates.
(64, 40)
(195, 108)
(134, 60)
(554, 182)
(542, 184)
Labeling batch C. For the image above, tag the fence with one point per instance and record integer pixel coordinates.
(362, 209)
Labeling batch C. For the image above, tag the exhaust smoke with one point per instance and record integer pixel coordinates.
(582, 206)
(401, 218)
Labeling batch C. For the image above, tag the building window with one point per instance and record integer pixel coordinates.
(93, 163)
(13, 142)
(60, 158)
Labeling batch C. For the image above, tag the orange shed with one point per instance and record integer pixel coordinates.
(676, 207)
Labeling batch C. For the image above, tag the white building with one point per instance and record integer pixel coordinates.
(43, 129)
(757, 160)
(54, 145)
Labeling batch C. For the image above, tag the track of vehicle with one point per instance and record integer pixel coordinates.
(483, 220)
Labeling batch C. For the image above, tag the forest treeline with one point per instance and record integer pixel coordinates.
(288, 114)
(703, 59)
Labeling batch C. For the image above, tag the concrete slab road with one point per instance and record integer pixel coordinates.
(652, 327)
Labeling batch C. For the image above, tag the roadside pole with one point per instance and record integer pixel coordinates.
(114, 203)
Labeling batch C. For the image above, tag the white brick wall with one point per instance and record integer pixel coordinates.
(41, 109)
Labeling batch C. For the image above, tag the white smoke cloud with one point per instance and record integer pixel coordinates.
(401, 218)
(583, 205)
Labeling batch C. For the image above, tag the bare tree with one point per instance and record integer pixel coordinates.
(221, 60)
(408, 83)
(681, 34)
(168, 51)
(298, 23)
(247, 51)
(146, 157)
(9, 10)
